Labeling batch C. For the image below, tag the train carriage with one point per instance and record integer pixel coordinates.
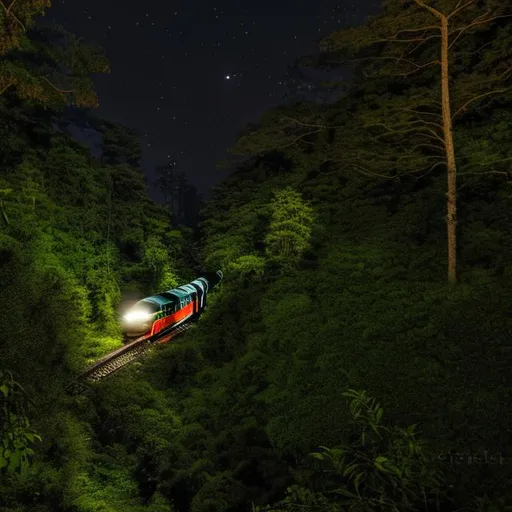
(162, 312)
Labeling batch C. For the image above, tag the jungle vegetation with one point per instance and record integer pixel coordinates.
(357, 354)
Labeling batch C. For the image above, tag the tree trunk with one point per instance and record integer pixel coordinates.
(451, 217)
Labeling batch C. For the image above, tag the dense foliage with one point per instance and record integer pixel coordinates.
(334, 370)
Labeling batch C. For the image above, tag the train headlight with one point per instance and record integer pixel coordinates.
(137, 316)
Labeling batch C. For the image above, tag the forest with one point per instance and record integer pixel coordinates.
(356, 356)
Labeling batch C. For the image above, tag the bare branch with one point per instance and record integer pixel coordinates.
(435, 135)
(474, 23)
(418, 68)
(506, 72)
(9, 13)
(435, 12)
(484, 172)
(11, 6)
(420, 39)
(419, 44)
(296, 140)
(459, 157)
(419, 112)
(441, 162)
(6, 87)
(309, 125)
(387, 128)
(428, 123)
(363, 170)
(419, 29)
(407, 157)
(406, 15)
(61, 91)
(485, 164)
(476, 51)
(431, 168)
(461, 109)
(394, 38)
(457, 8)
(438, 148)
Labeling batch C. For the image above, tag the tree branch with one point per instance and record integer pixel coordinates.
(438, 148)
(410, 123)
(407, 157)
(9, 13)
(428, 27)
(461, 109)
(428, 123)
(296, 140)
(435, 136)
(363, 170)
(11, 6)
(485, 164)
(394, 38)
(435, 12)
(474, 23)
(441, 162)
(419, 112)
(4, 215)
(61, 91)
(457, 8)
(6, 87)
(484, 172)
(418, 67)
(413, 40)
(419, 44)
(506, 72)
(309, 125)
(476, 51)
(431, 168)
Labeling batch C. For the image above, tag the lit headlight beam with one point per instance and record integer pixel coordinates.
(137, 315)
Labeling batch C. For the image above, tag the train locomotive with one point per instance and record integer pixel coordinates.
(161, 313)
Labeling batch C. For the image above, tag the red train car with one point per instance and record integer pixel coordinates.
(160, 313)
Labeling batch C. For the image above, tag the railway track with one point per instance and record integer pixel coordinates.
(120, 358)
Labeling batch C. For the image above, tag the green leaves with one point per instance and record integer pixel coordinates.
(290, 227)
(16, 435)
(373, 472)
(250, 265)
(35, 61)
(15, 18)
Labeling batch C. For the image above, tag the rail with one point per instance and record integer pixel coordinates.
(120, 358)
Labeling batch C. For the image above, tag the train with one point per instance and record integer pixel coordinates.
(161, 313)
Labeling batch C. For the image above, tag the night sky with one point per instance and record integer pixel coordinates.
(189, 74)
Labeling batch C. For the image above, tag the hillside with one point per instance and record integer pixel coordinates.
(352, 358)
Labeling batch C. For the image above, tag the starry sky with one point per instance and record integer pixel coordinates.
(189, 74)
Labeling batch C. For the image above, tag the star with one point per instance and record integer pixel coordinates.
(185, 91)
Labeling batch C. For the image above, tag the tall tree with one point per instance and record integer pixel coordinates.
(289, 231)
(179, 195)
(422, 68)
(166, 181)
(462, 47)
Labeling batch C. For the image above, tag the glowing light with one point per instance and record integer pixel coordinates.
(139, 315)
